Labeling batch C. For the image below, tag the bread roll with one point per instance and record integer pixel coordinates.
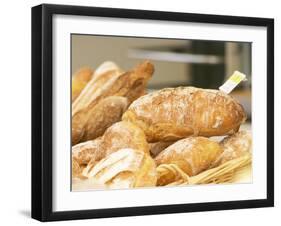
(125, 168)
(80, 80)
(174, 113)
(235, 146)
(192, 155)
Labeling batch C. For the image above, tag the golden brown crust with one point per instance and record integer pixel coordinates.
(156, 148)
(124, 135)
(234, 146)
(125, 168)
(174, 113)
(92, 113)
(90, 124)
(119, 136)
(114, 83)
(192, 155)
(80, 80)
(84, 152)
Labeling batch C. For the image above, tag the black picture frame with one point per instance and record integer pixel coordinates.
(42, 111)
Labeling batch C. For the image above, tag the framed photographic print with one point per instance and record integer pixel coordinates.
(146, 112)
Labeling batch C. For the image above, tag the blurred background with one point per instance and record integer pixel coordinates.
(204, 64)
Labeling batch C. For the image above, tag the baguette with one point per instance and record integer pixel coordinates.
(174, 113)
(93, 113)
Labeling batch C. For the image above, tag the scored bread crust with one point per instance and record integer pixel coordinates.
(111, 81)
(174, 113)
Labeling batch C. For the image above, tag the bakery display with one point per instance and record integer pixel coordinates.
(100, 103)
(123, 137)
(174, 113)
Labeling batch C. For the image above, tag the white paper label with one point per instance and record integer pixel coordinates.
(232, 82)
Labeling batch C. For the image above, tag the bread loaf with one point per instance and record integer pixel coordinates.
(235, 146)
(124, 135)
(92, 123)
(192, 155)
(95, 109)
(80, 80)
(119, 136)
(125, 168)
(174, 113)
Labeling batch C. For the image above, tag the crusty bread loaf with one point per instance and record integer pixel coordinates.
(125, 168)
(192, 155)
(91, 123)
(80, 80)
(124, 135)
(97, 87)
(174, 113)
(95, 109)
(113, 82)
(84, 152)
(119, 136)
(235, 146)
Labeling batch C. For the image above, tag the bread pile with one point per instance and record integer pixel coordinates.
(123, 137)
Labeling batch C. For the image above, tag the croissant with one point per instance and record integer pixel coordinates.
(192, 155)
(80, 80)
(125, 168)
(174, 113)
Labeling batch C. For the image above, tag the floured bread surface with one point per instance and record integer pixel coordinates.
(174, 113)
(93, 112)
(84, 152)
(124, 135)
(192, 155)
(125, 168)
(235, 146)
(96, 120)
